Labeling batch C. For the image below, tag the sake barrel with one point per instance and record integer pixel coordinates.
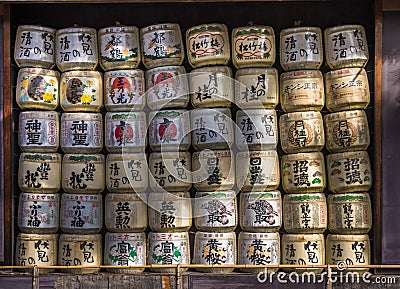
(37, 88)
(302, 90)
(213, 170)
(81, 214)
(215, 211)
(126, 173)
(301, 48)
(83, 173)
(305, 213)
(39, 131)
(170, 171)
(212, 128)
(125, 132)
(253, 46)
(215, 249)
(168, 249)
(167, 87)
(208, 44)
(81, 132)
(211, 87)
(125, 249)
(34, 46)
(36, 250)
(349, 213)
(347, 131)
(81, 91)
(39, 173)
(119, 47)
(162, 45)
(260, 212)
(80, 250)
(301, 132)
(170, 212)
(303, 249)
(169, 130)
(348, 250)
(126, 213)
(76, 48)
(38, 213)
(347, 89)
(124, 90)
(259, 249)
(349, 172)
(256, 129)
(257, 170)
(346, 46)
(303, 173)
(256, 88)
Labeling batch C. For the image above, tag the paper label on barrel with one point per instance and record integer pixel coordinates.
(83, 176)
(81, 212)
(126, 131)
(253, 44)
(123, 89)
(306, 215)
(38, 252)
(36, 88)
(81, 91)
(214, 211)
(213, 170)
(169, 128)
(169, 251)
(39, 175)
(161, 43)
(128, 176)
(211, 87)
(164, 86)
(81, 134)
(170, 173)
(119, 46)
(261, 210)
(80, 253)
(303, 92)
(206, 42)
(211, 126)
(356, 252)
(303, 175)
(302, 49)
(214, 250)
(170, 214)
(125, 250)
(257, 129)
(258, 88)
(35, 45)
(347, 46)
(38, 132)
(350, 172)
(349, 216)
(76, 48)
(257, 170)
(303, 253)
(38, 211)
(258, 251)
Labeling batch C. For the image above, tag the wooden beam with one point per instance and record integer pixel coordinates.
(378, 134)
(7, 118)
(390, 5)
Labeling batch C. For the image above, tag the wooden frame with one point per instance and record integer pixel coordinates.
(5, 11)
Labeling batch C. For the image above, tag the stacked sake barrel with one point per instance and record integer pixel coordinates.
(126, 174)
(211, 90)
(39, 169)
(169, 204)
(302, 139)
(347, 138)
(257, 169)
(83, 167)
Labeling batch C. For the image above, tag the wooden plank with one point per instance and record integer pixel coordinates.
(16, 281)
(378, 134)
(158, 1)
(7, 117)
(390, 5)
(47, 281)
